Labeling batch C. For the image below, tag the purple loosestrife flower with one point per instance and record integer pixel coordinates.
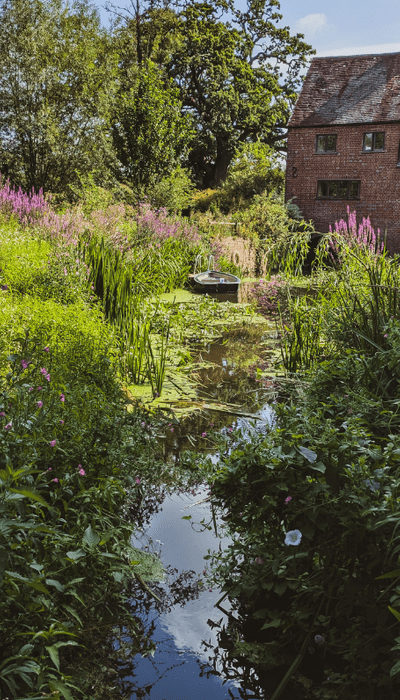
(2, 413)
(204, 435)
(46, 349)
(55, 481)
(288, 499)
(39, 388)
(48, 377)
(43, 371)
(81, 471)
(24, 364)
(53, 443)
(8, 426)
(62, 397)
(137, 480)
(39, 404)
(61, 422)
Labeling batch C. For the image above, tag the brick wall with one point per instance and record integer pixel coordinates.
(378, 172)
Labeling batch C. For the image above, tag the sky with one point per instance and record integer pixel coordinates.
(340, 28)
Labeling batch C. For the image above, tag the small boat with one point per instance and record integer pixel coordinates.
(213, 280)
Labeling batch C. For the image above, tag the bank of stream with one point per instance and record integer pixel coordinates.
(179, 612)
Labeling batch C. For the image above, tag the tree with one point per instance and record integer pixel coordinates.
(238, 73)
(238, 77)
(150, 132)
(56, 89)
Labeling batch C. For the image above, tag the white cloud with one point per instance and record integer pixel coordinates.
(311, 24)
(360, 50)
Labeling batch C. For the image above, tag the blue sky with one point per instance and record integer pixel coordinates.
(343, 27)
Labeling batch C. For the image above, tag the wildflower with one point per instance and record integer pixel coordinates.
(230, 430)
(8, 426)
(46, 349)
(61, 422)
(48, 377)
(288, 499)
(319, 639)
(81, 471)
(62, 397)
(55, 481)
(39, 388)
(30, 388)
(258, 560)
(24, 364)
(172, 430)
(204, 435)
(49, 469)
(137, 480)
(386, 335)
(293, 537)
(43, 371)
(53, 443)
(2, 413)
(39, 404)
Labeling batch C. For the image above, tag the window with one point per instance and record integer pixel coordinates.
(326, 143)
(338, 189)
(374, 141)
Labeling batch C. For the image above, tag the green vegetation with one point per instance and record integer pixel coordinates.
(313, 571)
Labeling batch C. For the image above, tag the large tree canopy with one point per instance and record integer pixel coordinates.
(56, 84)
(237, 72)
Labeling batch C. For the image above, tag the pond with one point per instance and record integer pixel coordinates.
(185, 626)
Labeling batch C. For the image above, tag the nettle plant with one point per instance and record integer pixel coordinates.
(314, 514)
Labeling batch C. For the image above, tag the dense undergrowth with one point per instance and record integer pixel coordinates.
(76, 457)
(313, 507)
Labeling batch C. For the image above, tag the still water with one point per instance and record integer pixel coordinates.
(188, 663)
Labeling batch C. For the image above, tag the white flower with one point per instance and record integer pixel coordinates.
(293, 537)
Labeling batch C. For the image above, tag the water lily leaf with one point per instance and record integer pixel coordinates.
(56, 584)
(308, 454)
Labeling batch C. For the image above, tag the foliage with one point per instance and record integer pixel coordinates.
(227, 64)
(150, 132)
(173, 192)
(59, 77)
(68, 465)
(254, 170)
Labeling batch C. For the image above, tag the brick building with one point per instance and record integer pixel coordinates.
(344, 143)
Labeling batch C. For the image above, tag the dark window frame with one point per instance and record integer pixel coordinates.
(338, 186)
(374, 135)
(325, 151)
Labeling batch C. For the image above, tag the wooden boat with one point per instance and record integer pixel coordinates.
(213, 280)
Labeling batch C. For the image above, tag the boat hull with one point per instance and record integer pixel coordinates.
(214, 281)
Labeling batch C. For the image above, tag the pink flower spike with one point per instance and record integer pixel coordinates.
(204, 435)
(46, 349)
(55, 481)
(8, 426)
(2, 413)
(39, 388)
(43, 371)
(288, 499)
(24, 364)
(137, 480)
(62, 397)
(49, 469)
(61, 422)
(53, 443)
(39, 404)
(30, 388)
(48, 377)
(82, 472)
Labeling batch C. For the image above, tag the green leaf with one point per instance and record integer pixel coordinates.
(77, 554)
(54, 655)
(33, 495)
(395, 613)
(391, 574)
(56, 584)
(91, 537)
(61, 688)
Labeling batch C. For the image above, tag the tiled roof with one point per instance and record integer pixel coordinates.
(350, 90)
